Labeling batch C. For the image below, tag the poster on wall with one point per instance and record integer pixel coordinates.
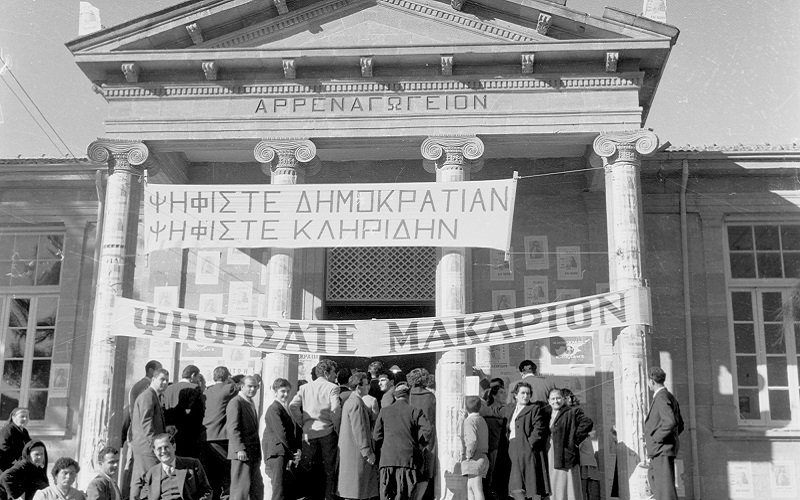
(305, 366)
(59, 382)
(211, 303)
(504, 299)
(572, 351)
(783, 479)
(499, 268)
(240, 298)
(238, 257)
(536, 290)
(569, 263)
(536, 253)
(740, 479)
(165, 296)
(206, 270)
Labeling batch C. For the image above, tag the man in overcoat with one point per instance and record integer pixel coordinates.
(401, 432)
(244, 446)
(281, 441)
(661, 429)
(147, 421)
(358, 472)
(184, 408)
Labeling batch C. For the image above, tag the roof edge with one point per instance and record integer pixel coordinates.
(641, 22)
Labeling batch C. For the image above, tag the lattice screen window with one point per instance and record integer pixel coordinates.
(381, 274)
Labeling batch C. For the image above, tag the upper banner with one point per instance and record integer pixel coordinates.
(449, 214)
(383, 337)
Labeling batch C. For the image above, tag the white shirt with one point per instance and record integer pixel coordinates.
(512, 426)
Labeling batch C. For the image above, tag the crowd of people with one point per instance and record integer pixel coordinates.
(344, 434)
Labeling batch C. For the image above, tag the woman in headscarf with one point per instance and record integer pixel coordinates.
(13, 438)
(569, 427)
(527, 432)
(65, 471)
(28, 474)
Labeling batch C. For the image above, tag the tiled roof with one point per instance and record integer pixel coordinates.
(737, 148)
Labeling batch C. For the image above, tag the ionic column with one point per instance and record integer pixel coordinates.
(284, 161)
(622, 153)
(101, 422)
(452, 158)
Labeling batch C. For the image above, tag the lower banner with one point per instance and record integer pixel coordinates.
(383, 337)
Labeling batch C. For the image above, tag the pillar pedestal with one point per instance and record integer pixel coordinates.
(101, 421)
(622, 153)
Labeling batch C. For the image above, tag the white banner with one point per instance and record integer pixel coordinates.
(383, 337)
(450, 214)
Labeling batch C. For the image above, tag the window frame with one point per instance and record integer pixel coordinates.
(757, 287)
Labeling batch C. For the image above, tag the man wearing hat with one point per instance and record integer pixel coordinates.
(401, 432)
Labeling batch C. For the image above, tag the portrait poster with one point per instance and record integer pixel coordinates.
(500, 269)
(165, 296)
(240, 298)
(238, 257)
(207, 267)
(783, 479)
(567, 294)
(740, 479)
(504, 299)
(59, 381)
(536, 253)
(211, 303)
(569, 263)
(536, 290)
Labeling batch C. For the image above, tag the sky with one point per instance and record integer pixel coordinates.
(732, 78)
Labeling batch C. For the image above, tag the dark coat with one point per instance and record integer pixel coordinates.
(282, 434)
(13, 439)
(147, 421)
(401, 432)
(663, 425)
(242, 427)
(528, 450)
(184, 408)
(569, 429)
(101, 488)
(24, 478)
(217, 398)
(192, 480)
(425, 400)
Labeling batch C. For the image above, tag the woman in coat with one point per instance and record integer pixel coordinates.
(28, 474)
(497, 478)
(569, 427)
(358, 470)
(420, 397)
(13, 438)
(527, 433)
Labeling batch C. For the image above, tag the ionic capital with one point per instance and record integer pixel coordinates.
(291, 154)
(456, 152)
(119, 155)
(627, 147)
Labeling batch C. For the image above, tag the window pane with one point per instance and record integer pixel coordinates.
(791, 264)
(12, 376)
(769, 265)
(777, 376)
(51, 247)
(742, 306)
(747, 375)
(18, 314)
(8, 401)
(779, 406)
(740, 238)
(774, 338)
(742, 265)
(37, 403)
(748, 404)
(745, 340)
(767, 238)
(772, 302)
(46, 311)
(15, 343)
(48, 272)
(43, 346)
(26, 247)
(5, 272)
(790, 237)
(40, 373)
(6, 246)
(22, 273)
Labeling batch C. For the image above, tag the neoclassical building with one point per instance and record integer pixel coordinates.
(327, 92)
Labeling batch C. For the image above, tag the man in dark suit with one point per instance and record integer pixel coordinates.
(661, 430)
(149, 369)
(175, 477)
(401, 432)
(147, 421)
(104, 486)
(184, 408)
(215, 448)
(281, 440)
(244, 447)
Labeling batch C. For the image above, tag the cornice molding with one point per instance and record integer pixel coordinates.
(292, 20)
(541, 83)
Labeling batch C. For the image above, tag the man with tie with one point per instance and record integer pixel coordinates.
(244, 447)
(215, 448)
(661, 430)
(147, 421)
(282, 438)
(174, 477)
(104, 486)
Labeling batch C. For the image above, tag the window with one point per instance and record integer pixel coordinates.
(764, 312)
(30, 274)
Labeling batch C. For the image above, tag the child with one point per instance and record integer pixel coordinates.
(476, 439)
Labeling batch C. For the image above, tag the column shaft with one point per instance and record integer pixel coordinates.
(101, 421)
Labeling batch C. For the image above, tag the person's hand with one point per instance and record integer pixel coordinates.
(241, 455)
(297, 455)
(371, 458)
(479, 372)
